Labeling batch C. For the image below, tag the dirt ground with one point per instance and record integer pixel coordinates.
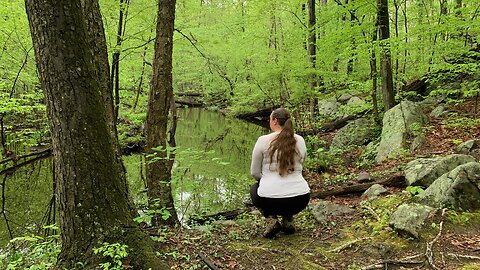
(362, 240)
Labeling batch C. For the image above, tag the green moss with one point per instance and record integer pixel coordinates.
(470, 267)
(463, 218)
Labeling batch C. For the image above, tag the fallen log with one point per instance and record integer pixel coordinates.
(395, 180)
(331, 126)
(262, 113)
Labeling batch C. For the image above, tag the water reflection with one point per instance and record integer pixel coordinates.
(27, 200)
(212, 166)
(211, 174)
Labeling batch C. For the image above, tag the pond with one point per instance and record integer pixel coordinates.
(211, 173)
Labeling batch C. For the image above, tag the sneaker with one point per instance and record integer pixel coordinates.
(272, 227)
(287, 225)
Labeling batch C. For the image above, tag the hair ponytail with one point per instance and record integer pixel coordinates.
(284, 144)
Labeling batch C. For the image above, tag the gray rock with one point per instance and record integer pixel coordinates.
(471, 147)
(399, 122)
(355, 101)
(357, 132)
(439, 111)
(374, 191)
(327, 107)
(364, 177)
(324, 210)
(432, 101)
(417, 143)
(344, 98)
(422, 172)
(458, 189)
(409, 218)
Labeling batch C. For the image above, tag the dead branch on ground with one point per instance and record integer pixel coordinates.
(429, 249)
(207, 261)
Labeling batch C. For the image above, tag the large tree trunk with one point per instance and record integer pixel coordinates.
(159, 102)
(93, 196)
(386, 65)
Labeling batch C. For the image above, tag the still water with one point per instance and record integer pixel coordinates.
(211, 173)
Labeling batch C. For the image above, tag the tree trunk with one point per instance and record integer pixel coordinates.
(115, 74)
(312, 54)
(94, 203)
(353, 53)
(374, 75)
(159, 102)
(405, 24)
(386, 65)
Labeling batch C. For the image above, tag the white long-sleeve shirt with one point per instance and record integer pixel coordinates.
(272, 185)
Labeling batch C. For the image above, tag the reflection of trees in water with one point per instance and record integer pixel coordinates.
(27, 195)
(218, 181)
(210, 184)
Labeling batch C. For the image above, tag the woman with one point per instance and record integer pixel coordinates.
(277, 161)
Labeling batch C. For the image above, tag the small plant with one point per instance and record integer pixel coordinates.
(114, 253)
(414, 190)
(163, 212)
(456, 141)
(31, 252)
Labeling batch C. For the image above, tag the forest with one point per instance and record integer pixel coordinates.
(127, 130)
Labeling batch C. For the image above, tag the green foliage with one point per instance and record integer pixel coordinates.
(318, 157)
(463, 218)
(379, 211)
(461, 123)
(31, 252)
(148, 214)
(414, 190)
(113, 253)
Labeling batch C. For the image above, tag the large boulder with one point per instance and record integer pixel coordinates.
(423, 171)
(358, 132)
(458, 189)
(328, 107)
(323, 211)
(405, 119)
(408, 219)
(471, 147)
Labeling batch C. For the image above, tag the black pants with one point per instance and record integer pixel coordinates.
(285, 207)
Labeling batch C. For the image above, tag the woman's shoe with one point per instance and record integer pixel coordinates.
(287, 225)
(272, 227)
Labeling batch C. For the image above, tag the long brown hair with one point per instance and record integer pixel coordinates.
(284, 144)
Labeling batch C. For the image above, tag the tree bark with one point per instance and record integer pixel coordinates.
(115, 73)
(386, 65)
(93, 197)
(159, 102)
(312, 55)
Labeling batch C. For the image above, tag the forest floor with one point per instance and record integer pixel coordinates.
(362, 240)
